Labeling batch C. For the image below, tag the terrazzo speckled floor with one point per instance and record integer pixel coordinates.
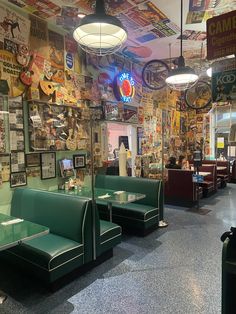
(173, 270)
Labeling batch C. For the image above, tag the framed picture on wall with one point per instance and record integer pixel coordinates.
(18, 179)
(79, 161)
(32, 160)
(48, 165)
(17, 162)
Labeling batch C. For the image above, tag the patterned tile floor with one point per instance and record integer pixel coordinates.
(173, 270)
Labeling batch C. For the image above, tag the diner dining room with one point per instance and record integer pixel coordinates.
(117, 156)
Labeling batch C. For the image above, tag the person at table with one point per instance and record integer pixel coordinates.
(172, 164)
(183, 162)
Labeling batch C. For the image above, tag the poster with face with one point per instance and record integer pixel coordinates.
(13, 26)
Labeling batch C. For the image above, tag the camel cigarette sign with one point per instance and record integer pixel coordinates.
(221, 35)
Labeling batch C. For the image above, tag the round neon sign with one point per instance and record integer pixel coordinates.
(124, 87)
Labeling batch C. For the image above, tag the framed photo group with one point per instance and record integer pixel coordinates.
(19, 161)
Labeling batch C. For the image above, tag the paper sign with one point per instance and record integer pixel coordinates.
(220, 142)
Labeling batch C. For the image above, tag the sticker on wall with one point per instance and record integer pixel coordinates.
(69, 61)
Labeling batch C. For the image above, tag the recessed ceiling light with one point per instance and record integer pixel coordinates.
(81, 15)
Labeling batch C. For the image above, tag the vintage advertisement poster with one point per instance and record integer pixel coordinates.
(16, 118)
(3, 125)
(111, 111)
(56, 56)
(10, 71)
(4, 169)
(39, 36)
(175, 122)
(193, 35)
(130, 114)
(43, 9)
(140, 115)
(221, 36)
(224, 86)
(68, 18)
(13, 26)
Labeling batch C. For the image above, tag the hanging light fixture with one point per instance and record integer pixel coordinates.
(99, 33)
(182, 77)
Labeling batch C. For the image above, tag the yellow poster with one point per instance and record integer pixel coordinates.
(220, 142)
(175, 122)
(10, 71)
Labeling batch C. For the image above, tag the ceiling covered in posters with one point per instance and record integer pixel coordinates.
(153, 26)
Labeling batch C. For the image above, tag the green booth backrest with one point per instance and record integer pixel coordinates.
(151, 188)
(64, 215)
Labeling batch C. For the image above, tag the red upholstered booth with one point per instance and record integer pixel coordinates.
(180, 189)
(233, 172)
(222, 174)
(211, 182)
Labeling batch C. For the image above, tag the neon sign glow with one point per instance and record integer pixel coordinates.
(124, 87)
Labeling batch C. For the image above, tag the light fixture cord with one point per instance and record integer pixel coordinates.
(100, 7)
(181, 29)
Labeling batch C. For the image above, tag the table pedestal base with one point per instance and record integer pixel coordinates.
(109, 206)
(3, 297)
(200, 211)
(162, 224)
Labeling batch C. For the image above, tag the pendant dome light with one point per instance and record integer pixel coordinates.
(99, 33)
(182, 77)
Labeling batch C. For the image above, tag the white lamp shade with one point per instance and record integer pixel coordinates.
(209, 72)
(100, 35)
(181, 78)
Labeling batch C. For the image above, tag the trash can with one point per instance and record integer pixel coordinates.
(229, 272)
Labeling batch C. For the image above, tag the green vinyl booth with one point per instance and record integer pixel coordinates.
(77, 237)
(139, 217)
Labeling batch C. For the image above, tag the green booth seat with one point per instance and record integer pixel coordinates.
(110, 235)
(70, 242)
(139, 217)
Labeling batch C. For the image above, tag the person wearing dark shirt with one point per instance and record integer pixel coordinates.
(172, 164)
(182, 162)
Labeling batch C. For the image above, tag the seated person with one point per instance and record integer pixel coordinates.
(183, 162)
(172, 164)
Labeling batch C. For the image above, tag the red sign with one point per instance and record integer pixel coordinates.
(221, 35)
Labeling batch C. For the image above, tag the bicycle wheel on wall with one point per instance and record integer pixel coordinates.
(154, 74)
(199, 95)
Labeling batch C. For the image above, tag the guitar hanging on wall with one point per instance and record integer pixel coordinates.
(71, 142)
(26, 74)
(47, 88)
